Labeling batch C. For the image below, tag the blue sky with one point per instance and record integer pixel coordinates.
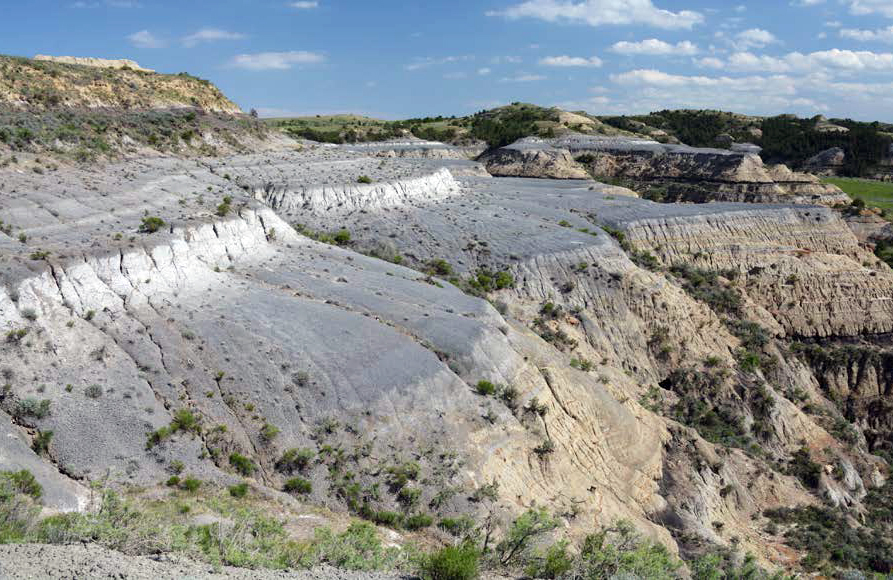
(393, 59)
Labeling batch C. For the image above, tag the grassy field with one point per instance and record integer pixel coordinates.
(876, 193)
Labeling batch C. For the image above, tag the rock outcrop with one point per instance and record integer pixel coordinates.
(683, 173)
(521, 161)
(122, 63)
(828, 162)
(39, 86)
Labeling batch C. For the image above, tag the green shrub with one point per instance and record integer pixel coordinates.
(451, 563)
(16, 335)
(358, 548)
(418, 521)
(295, 460)
(31, 407)
(555, 562)
(242, 464)
(409, 496)
(151, 224)
(627, 554)
(515, 546)
(41, 443)
(93, 391)
(342, 237)
(458, 527)
(364, 179)
(269, 432)
(485, 388)
(386, 518)
(239, 490)
(804, 468)
(298, 485)
(190, 484)
(399, 475)
(22, 482)
(439, 268)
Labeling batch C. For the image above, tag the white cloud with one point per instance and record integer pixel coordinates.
(305, 5)
(506, 59)
(523, 78)
(846, 61)
(211, 35)
(802, 3)
(421, 63)
(709, 62)
(655, 47)
(484, 71)
(454, 76)
(145, 39)
(862, 7)
(572, 61)
(879, 35)
(754, 37)
(602, 12)
(276, 60)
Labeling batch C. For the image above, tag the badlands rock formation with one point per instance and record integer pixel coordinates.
(684, 173)
(95, 62)
(622, 315)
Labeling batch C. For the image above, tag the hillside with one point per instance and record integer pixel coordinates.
(867, 148)
(80, 113)
(493, 127)
(40, 85)
(550, 347)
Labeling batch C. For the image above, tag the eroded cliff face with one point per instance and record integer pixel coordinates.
(643, 347)
(678, 172)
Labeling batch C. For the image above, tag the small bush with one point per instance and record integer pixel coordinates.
(269, 432)
(242, 464)
(342, 237)
(31, 407)
(151, 224)
(93, 391)
(804, 468)
(386, 518)
(439, 268)
(418, 521)
(364, 179)
(485, 388)
(298, 485)
(451, 563)
(239, 490)
(358, 548)
(41, 443)
(22, 482)
(190, 484)
(458, 527)
(295, 460)
(409, 496)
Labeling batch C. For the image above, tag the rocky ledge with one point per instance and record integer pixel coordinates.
(671, 172)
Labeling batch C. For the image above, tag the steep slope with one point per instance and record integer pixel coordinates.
(631, 360)
(85, 112)
(42, 85)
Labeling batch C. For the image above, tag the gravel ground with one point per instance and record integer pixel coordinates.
(88, 562)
